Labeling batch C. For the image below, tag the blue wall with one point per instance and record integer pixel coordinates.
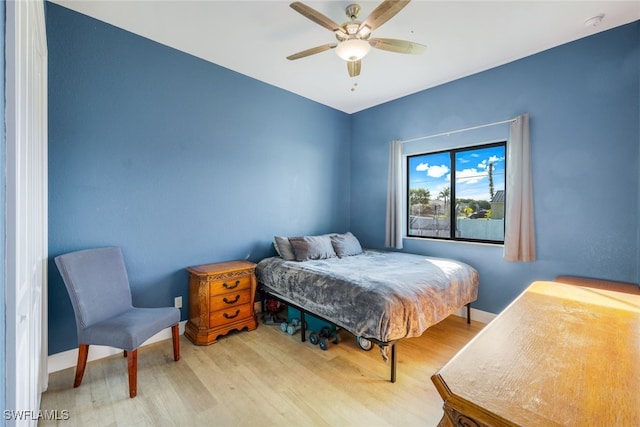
(182, 162)
(178, 161)
(583, 101)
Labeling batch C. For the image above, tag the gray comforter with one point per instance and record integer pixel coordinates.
(377, 295)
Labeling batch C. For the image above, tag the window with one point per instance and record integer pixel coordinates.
(472, 209)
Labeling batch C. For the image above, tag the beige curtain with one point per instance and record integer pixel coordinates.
(519, 233)
(393, 224)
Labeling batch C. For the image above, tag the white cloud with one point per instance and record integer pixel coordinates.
(493, 159)
(437, 171)
(432, 171)
(470, 176)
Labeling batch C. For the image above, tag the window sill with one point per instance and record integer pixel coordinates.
(460, 242)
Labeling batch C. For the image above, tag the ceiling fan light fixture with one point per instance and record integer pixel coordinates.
(353, 49)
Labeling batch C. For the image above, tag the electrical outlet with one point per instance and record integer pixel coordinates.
(177, 302)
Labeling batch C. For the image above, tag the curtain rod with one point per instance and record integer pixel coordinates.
(459, 130)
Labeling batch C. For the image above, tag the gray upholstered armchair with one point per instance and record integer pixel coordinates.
(98, 286)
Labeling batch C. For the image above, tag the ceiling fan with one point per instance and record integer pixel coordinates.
(353, 36)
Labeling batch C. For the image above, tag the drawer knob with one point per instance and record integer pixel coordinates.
(235, 300)
(228, 286)
(227, 316)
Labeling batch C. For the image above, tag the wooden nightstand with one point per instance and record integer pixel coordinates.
(221, 299)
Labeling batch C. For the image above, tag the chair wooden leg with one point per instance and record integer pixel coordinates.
(175, 330)
(83, 352)
(124, 353)
(132, 361)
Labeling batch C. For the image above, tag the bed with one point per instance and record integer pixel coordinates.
(375, 295)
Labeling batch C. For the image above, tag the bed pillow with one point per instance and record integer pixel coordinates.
(346, 244)
(284, 249)
(312, 247)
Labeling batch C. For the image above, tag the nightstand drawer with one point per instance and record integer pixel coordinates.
(229, 315)
(225, 301)
(221, 300)
(233, 284)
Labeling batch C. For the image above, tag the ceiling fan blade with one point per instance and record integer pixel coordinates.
(315, 16)
(312, 51)
(398, 46)
(354, 67)
(381, 14)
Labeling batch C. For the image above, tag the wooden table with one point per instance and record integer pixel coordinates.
(559, 355)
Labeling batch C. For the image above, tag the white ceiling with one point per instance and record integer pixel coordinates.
(462, 38)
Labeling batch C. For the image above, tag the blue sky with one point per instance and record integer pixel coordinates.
(433, 172)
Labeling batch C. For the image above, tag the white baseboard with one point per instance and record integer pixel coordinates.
(477, 315)
(68, 359)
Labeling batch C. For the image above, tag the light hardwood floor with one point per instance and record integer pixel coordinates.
(263, 378)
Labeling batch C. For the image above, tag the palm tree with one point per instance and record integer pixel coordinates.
(419, 196)
(444, 195)
(491, 180)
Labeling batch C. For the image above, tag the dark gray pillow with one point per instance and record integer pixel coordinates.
(346, 244)
(284, 249)
(312, 247)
